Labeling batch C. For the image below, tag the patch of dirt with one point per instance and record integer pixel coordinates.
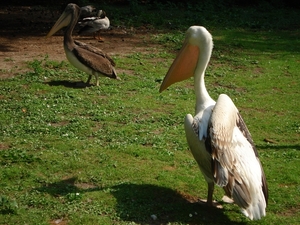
(23, 38)
(290, 212)
(4, 146)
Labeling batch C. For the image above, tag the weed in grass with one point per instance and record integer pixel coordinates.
(8, 60)
(7, 206)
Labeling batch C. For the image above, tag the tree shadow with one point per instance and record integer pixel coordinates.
(69, 84)
(278, 44)
(141, 202)
(278, 147)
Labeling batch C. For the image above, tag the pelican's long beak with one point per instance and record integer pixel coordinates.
(63, 21)
(183, 66)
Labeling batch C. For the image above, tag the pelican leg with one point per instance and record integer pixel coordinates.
(97, 80)
(209, 201)
(100, 38)
(210, 192)
(89, 79)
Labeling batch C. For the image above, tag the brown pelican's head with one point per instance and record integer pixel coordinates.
(70, 13)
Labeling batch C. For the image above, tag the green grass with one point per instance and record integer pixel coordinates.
(117, 154)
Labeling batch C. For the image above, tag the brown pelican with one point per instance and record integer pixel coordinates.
(85, 57)
(94, 24)
(217, 135)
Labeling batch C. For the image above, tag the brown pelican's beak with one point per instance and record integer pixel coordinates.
(63, 21)
(183, 66)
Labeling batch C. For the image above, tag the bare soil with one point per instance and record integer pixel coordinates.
(23, 38)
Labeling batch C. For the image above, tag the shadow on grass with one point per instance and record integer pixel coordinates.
(68, 84)
(67, 186)
(278, 147)
(140, 202)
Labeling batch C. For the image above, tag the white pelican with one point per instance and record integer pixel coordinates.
(85, 57)
(94, 24)
(217, 135)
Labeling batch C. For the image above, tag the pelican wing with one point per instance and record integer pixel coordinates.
(243, 128)
(236, 166)
(94, 58)
(86, 20)
(95, 50)
(93, 24)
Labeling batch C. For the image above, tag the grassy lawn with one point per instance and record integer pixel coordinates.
(117, 153)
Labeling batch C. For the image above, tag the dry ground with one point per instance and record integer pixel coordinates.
(23, 31)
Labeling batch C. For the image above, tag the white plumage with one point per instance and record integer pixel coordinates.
(217, 135)
(94, 24)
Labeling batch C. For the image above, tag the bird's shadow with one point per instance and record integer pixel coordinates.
(65, 187)
(147, 203)
(68, 84)
(151, 204)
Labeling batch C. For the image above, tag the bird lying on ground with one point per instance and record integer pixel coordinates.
(94, 24)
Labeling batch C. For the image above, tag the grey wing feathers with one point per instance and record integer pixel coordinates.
(220, 131)
(243, 128)
(229, 154)
(95, 50)
(95, 59)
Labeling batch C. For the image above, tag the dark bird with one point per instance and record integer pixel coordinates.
(87, 11)
(217, 135)
(85, 57)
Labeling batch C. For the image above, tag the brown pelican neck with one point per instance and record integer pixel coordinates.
(68, 39)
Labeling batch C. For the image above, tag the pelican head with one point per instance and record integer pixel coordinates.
(195, 53)
(66, 18)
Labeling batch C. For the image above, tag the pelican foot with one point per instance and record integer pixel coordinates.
(214, 204)
(227, 200)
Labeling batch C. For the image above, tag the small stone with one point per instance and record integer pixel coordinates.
(58, 221)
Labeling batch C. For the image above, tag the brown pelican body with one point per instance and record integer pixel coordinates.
(217, 135)
(85, 57)
(94, 24)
